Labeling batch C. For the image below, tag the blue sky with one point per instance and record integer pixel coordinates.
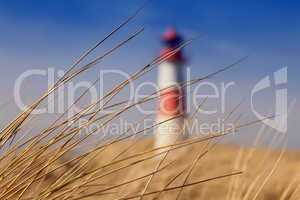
(52, 33)
(267, 30)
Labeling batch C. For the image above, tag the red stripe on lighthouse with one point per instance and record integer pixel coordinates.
(171, 102)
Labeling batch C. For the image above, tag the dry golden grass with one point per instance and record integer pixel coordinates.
(221, 159)
(120, 178)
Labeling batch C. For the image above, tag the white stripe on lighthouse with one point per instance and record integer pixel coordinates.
(168, 74)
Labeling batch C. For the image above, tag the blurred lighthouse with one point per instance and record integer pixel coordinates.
(171, 111)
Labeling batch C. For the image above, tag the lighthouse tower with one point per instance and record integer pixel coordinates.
(171, 109)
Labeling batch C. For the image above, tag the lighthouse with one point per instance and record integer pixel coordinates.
(171, 108)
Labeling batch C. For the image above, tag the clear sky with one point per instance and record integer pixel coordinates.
(52, 33)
